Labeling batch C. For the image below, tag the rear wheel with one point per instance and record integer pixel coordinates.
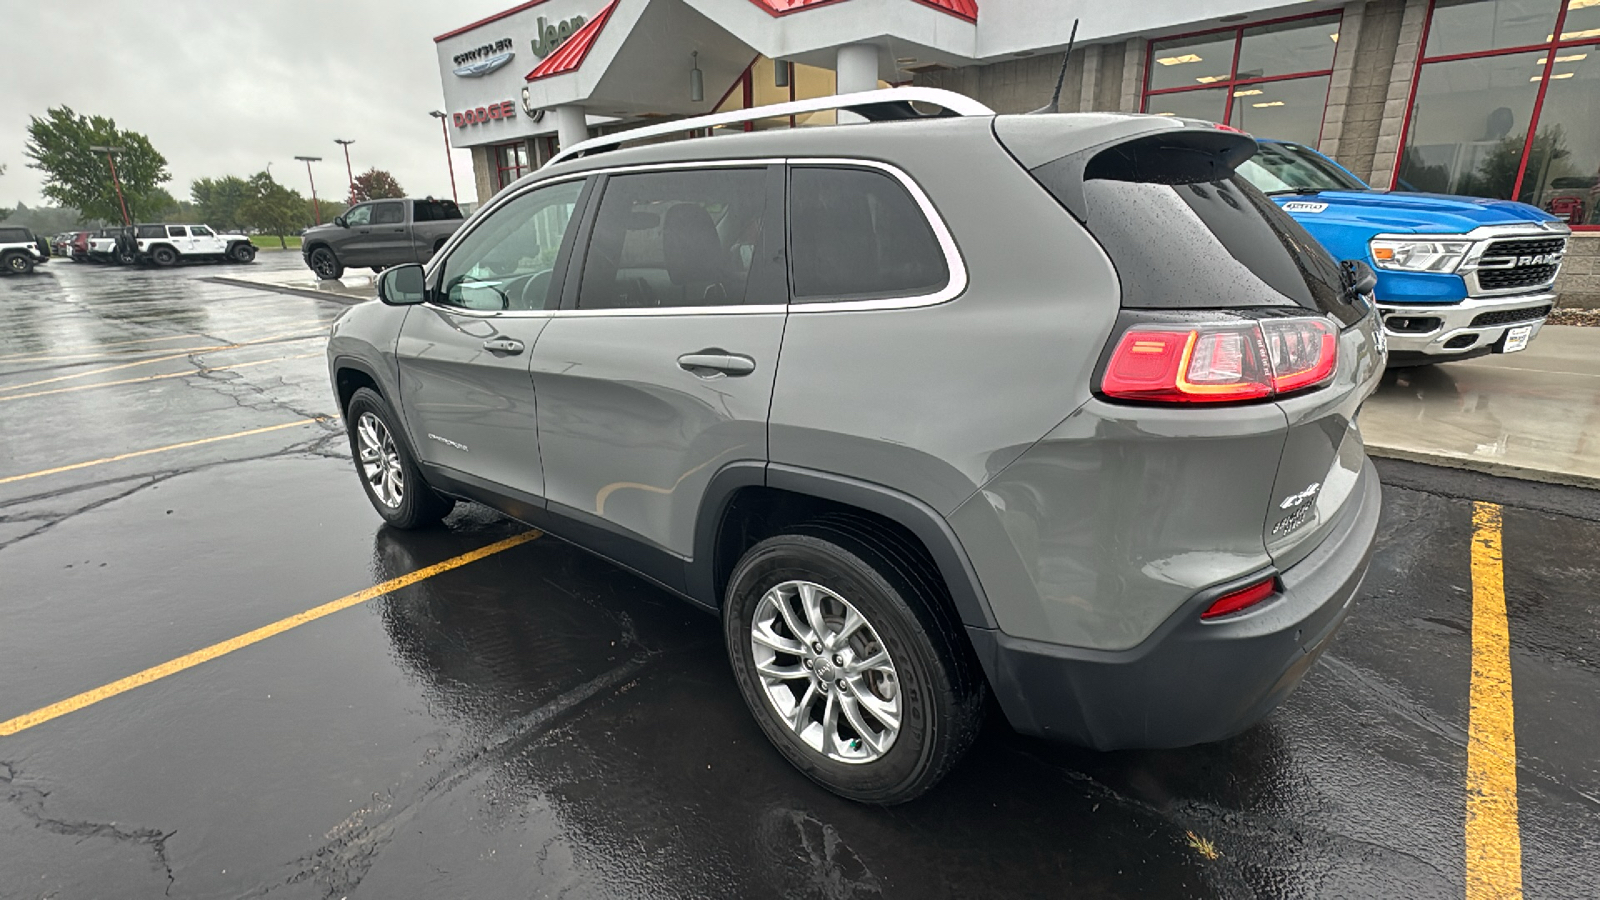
(325, 264)
(241, 253)
(860, 691)
(18, 263)
(388, 472)
(164, 256)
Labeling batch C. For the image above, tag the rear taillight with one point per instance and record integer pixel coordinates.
(1221, 363)
(1243, 598)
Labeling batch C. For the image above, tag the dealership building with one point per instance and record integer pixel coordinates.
(1491, 98)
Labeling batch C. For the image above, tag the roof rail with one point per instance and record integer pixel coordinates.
(875, 106)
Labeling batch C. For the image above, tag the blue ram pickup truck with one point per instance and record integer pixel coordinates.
(1458, 277)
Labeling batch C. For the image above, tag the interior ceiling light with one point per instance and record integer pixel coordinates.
(1208, 79)
(1253, 92)
(1334, 37)
(1179, 60)
(1554, 77)
(1572, 58)
(1576, 35)
(1267, 104)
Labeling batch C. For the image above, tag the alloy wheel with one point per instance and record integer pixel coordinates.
(380, 460)
(322, 263)
(825, 672)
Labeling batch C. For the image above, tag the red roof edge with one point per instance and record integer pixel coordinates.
(777, 8)
(961, 9)
(569, 56)
(482, 22)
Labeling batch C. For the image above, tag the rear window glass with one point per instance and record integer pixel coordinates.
(856, 234)
(14, 235)
(1210, 245)
(435, 210)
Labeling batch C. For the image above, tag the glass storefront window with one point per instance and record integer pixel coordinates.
(1503, 105)
(1468, 26)
(1563, 174)
(759, 84)
(1285, 110)
(1270, 80)
(511, 163)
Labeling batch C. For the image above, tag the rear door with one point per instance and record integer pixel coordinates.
(354, 243)
(464, 386)
(178, 237)
(659, 369)
(391, 245)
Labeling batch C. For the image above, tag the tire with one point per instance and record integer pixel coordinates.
(393, 483)
(325, 264)
(929, 680)
(126, 258)
(18, 263)
(242, 253)
(164, 256)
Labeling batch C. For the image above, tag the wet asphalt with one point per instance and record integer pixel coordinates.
(540, 724)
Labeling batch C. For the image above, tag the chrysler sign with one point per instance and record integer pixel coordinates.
(480, 61)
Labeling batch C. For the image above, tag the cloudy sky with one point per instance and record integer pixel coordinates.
(223, 88)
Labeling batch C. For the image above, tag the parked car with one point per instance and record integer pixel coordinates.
(378, 234)
(61, 244)
(168, 245)
(79, 251)
(21, 250)
(1058, 407)
(1458, 277)
(102, 246)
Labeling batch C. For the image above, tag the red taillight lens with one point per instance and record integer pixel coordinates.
(1221, 363)
(1234, 601)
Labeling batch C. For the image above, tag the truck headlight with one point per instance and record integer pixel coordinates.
(1418, 255)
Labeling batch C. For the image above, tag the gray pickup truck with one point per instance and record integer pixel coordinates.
(379, 234)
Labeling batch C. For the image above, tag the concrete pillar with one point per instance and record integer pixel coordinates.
(571, 127)
(857, 68)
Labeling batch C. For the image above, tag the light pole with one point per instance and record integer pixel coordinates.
(315, 206)
(448, 161)
(347, 170)
(115, 181)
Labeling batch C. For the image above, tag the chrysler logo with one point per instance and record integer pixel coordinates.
(483, 67)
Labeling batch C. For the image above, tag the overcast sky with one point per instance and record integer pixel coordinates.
(223, 88)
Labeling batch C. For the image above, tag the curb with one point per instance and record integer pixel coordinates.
(330, 296)
(1486, 467)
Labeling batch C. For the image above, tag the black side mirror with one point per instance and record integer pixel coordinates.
(402, 285)
(339, 221)
(1358, 277)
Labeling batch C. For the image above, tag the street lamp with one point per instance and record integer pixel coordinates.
(115, 181)
(347, 170)
(315, 206)
(448, 161)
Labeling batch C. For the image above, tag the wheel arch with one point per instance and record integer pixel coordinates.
(748, 502)
(350, 375)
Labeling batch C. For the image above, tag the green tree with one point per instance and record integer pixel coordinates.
(76, 176)
(273, 209)
(46, 219)
(217, 200)
(375, 184)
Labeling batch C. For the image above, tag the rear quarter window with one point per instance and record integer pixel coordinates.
(148, 232)
(15, 236)
(857, 234)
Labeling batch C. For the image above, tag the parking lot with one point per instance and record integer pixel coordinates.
(220, 677)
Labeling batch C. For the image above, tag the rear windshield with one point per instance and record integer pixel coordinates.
(1209, 245)
(1293, 169)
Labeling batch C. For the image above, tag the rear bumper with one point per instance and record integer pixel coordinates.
(1190, 682)
(1473, 327)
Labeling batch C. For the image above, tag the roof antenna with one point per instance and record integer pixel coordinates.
(1055, 99)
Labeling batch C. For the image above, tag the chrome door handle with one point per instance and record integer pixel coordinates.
(716, 361)
(508, 346)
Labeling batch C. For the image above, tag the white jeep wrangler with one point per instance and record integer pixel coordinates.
(20, 251)
(167, 245)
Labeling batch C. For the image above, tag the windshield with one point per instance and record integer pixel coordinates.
(1293, 169)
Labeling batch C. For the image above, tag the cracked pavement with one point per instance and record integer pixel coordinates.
(539, 723)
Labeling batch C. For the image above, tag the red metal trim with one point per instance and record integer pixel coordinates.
(570, 55)
(1538, 101)
(1144, 93)
(1241, 28)
(1233, 78)
(485, 21)
(1411, 97)
(749, 82)
(777, 8)
(966, 10)
(1485, 54)
(736, 82)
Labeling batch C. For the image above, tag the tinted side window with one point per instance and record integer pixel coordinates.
(1213, 244)
(176, 231)
(13, 235)
(201, 231)
(674, 239)
(435, 210)
(150, 231)
(856, 234)
(358, 215)
(507, 261)
(391, 213)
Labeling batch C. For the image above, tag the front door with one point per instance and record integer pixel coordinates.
(659, 369)
(465, 391)
(205, 241)
(391, 246)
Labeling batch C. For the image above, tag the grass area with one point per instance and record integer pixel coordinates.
(268, 242)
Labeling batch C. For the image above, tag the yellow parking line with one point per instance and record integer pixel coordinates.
(200, 371)
(1494, 842)
(190, 660)
(146, 362)
(152, 340)
(122, 456)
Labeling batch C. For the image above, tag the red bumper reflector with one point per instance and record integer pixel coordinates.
(1244, 597)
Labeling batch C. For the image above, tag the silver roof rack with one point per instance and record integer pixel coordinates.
(875, 106)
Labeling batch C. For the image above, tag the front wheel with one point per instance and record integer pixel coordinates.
(325, 264)
(858, 690)
(18, 264)
(242, 253)
(389, 474)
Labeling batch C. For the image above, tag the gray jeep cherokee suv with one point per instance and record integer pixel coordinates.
(1052, 406)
